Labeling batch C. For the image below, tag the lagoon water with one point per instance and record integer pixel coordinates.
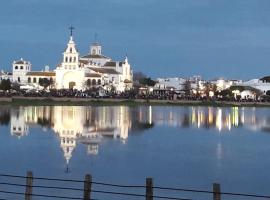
(190, 147)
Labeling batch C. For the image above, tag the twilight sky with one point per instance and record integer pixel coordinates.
(212, 38)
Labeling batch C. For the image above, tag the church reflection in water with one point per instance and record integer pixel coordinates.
(77, 124)
(90, 125)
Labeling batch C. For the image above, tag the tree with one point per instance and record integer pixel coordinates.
(210, 87)
(15, 86)
(225, 93)
(207, 88)
(113, 89)
(44, 82)
(187, 88)
(51, 82)
(4, 117)
(138, 76)
(5, 85)
(147, 81)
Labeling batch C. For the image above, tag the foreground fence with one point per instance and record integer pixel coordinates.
(11, 186)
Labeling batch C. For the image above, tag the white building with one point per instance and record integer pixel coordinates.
(257, 84)
(70, 74)
(223, 84)
(177, 83)
(81, 73)
(19, 70)
(113, 73)
(5, 76)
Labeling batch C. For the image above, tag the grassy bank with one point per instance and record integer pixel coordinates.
(40, 101)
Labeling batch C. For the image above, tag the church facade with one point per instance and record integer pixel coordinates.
(79, 72)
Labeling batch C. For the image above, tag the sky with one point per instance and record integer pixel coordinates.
(162, 38)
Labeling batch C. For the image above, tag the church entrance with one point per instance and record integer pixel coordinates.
(71, 85)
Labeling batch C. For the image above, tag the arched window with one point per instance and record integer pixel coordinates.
(99, 82)
(94, 82)
(16, 67)
(66, 59)
(29, 80)
(70, 50)
(74, 59)
(19, 79)
(94, 52)
(70, 59)
(34, 80)
(21, 67)
(89, 82)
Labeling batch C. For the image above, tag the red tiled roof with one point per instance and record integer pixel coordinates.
(84, 61)
(110, 64)
(104, 71)
(94, 56)
(40, 73)
(92, 75)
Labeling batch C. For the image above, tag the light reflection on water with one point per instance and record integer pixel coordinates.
(89, 125)
(199, 144)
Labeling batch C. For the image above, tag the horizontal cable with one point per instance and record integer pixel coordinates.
(183, 189)
(73, 180)
(245, 195)
(42, 178)
(137, 195)
(136, 186)
(116, 185)
(41, 186)
(44, 195)
(211, 192)
(96, 191)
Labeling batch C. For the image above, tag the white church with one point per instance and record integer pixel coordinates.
(78, 72)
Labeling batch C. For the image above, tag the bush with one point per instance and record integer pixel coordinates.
(5, 85)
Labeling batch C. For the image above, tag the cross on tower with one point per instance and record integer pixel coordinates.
(71, 28)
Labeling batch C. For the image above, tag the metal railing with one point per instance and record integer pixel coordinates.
(87, 189)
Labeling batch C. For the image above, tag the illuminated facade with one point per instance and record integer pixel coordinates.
(78, 72)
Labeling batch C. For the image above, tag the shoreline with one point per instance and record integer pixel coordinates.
(51, 101)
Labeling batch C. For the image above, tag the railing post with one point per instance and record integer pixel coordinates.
(149, 189)
(216, 191)
(29, 184)
(87, 187)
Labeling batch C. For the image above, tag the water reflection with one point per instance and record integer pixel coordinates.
(222, 119)
(77, 124)
(90, 125)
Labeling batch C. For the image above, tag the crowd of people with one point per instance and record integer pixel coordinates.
(132, 94)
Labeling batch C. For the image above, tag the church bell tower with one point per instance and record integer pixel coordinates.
(71, 55)
(95, 49)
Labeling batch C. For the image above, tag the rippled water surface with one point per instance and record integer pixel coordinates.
(190, 147)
